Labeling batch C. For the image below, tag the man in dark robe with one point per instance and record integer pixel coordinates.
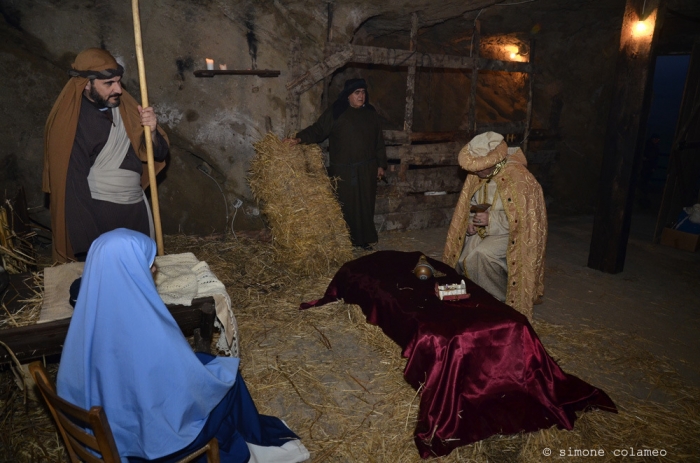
(357, 156)
(93, 157)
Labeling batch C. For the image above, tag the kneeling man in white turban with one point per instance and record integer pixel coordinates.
(499, 228)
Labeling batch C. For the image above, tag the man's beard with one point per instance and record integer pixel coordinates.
(97, 98)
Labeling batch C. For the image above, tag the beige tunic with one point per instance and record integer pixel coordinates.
(483, 259)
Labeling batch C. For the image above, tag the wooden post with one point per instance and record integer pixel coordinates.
(476, 40)
(410, 91)
(325, 100)
(293, 96)
(147, 130)
(411, 77)
(624, 141)
(531, 84)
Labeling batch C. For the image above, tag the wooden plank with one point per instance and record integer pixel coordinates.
(418, 220)
(293, 99)
(411, 77)
(414, 203)
(624, 142)
(397, 57)
(400, 137)
(33, 342)
(325, 98)
(434, 154)
(439, 178)
(439, 137)
(528, 114)
(476, 41)
(395, 137)
(325, 68)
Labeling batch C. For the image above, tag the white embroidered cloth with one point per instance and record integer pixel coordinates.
(182, 277)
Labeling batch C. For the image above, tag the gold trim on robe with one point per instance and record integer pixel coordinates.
(524, 204)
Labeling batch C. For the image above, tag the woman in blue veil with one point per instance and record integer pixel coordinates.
(125, 352)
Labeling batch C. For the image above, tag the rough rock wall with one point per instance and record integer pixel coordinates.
(212, 122)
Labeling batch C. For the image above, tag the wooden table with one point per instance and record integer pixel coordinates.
(45, 340)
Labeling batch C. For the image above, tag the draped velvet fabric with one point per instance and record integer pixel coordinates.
(483, 369)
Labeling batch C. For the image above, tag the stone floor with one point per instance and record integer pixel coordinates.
(655, 300)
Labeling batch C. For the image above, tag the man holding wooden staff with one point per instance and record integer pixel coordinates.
(94, 152)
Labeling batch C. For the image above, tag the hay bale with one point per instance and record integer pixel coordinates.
(298, 200)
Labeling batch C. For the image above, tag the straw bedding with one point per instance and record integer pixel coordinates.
(337, 381)
(298, 200)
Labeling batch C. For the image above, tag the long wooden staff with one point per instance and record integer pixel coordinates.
(147, 130)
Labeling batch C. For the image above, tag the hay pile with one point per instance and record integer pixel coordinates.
(337, 381)
(298, 200)
(26, 311)
(16, 251)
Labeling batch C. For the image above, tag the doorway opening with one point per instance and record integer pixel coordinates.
(670, 74)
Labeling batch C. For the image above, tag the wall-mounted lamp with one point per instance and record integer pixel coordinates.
(641, 28)
(513, 52)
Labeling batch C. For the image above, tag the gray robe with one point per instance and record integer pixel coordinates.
(88, 218)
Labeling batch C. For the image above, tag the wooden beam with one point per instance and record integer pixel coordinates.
(237, 72)
(438, 137)
(293, 99)
(624, 141)
(395, 137)
(476, 43)
(418, 220)
(411, 77)
(325, 98)
(399, 137)
(325, 68)
(396, 57)
(437, 178)
(32, 342)
(414, 203)
(433, 154)
(531, 84)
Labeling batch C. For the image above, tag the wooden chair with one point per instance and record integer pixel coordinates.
(72, 422)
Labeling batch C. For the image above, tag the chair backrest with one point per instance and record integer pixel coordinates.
(74, 423)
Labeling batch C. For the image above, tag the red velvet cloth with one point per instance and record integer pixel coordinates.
(483, 369)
